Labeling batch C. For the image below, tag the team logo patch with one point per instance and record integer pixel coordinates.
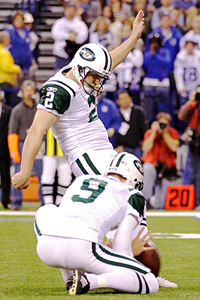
(139, 166)
(51, 89)
(87, 54)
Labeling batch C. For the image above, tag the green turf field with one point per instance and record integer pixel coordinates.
(24, 276)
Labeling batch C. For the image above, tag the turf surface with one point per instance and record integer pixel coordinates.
(24, 276)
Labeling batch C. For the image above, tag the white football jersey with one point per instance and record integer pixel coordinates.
(78, 128)
(187, 70)
(92, 206)
(190, 36)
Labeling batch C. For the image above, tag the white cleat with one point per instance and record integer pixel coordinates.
(165, 283)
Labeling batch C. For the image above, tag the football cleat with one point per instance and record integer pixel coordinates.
(80, 284)
(69, 283)
(162, 282)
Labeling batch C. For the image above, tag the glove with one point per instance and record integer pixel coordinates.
(13, 140)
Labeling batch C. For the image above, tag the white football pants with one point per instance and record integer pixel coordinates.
(116, 270)
(93, 162)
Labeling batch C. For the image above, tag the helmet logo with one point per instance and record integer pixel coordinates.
(139, 166)
(87, 54)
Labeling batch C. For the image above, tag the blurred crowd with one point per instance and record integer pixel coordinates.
(147, 107)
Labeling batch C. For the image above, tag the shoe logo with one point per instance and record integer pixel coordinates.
(87, 54)
(83, 281)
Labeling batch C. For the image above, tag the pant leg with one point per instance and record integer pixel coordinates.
(162, 97)
(17, 195)
(191, 174)
(149, 180)
(116, 270)
(92, 162)
(38, 169)
(5, 180)
(158, 200)
(64, 178)
(149, 102)
(48, 178)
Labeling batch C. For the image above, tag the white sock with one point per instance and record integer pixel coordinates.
(66, 274)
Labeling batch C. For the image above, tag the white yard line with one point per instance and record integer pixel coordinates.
(160, 235)
(149, 213)
(174, 214)
(157, 235)
(17, 213)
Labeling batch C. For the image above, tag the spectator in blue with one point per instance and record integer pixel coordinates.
(20, 43)
(165, 8)
(29, 5)
(184, 4)
(91, 9)
(170, 37)
(109, 114)
(156, 83)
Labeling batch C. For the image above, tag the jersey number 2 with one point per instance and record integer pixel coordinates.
(95, 192)
(49, 99)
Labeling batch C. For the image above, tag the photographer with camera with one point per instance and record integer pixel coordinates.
(190, 112)
(159, 146)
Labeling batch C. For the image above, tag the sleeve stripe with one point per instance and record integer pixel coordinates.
(63, 85)
(143, 224)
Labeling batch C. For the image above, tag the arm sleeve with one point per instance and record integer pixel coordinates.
(178, 74)
(59, 31)
(7, 64)
(82, 33)
(56, 98)
(124, 233)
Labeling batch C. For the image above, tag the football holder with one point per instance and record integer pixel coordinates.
(180, 197)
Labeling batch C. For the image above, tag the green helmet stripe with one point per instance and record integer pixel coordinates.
(119, 160)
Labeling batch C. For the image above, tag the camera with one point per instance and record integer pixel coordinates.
(187, 136)
(197, 97)
(162, 125)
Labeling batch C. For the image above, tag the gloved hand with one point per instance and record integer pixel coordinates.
(13, 140)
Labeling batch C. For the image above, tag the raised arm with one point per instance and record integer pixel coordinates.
(120, 53)
(42, 122)
(149, 142)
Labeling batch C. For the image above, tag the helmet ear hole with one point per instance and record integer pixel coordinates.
(80, 68)
(81, 71)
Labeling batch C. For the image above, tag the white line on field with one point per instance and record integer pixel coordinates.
(17, 213)
(159, 235)
(149, 213)
(173, 214)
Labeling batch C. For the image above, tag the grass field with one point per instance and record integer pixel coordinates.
(24, 276)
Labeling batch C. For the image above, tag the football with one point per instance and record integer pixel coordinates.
(150, 258)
